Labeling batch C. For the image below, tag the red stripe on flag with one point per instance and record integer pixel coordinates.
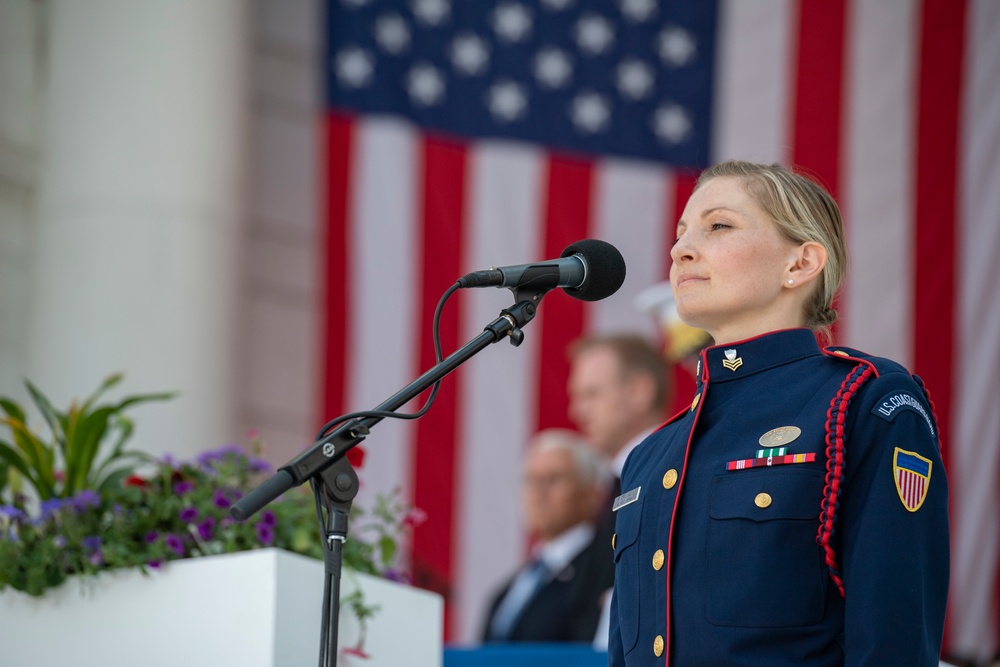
(936, 192)
(942, 27)
(337, 203)
(567, 219)
(683, 188)
(684, 384)
(819, 87)
(442, 214)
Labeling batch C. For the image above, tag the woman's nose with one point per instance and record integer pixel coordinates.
(682, 248)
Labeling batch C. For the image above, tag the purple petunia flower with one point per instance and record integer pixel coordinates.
(169, 461)
(156, 563)
(395, 575)
(220, 500)
(12, 512)
(96, 558)
(92, 542)
(260, 465)
(265, 534)
(206, 528)
(152, 536)
(188, 514)
(85, 499)
(207, 460)
(51, 506)
(267, 517)
(175, 544)
(180, 488)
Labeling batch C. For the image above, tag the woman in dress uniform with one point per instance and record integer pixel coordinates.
(797, 513)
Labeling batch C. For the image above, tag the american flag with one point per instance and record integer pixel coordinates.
(463, 135)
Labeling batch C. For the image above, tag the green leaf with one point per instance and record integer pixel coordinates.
(13, 409)
(35, 454)
(125, 429)
(86, 433)
(114, 480)
(109, 382)
(144, 398)
(387, 549)
(13, 459)
(55, 419)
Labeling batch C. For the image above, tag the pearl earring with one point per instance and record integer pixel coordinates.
(791, 282)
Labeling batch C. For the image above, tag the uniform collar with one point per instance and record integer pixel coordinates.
(733, 361)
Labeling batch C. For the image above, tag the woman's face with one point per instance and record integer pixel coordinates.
(730, 264)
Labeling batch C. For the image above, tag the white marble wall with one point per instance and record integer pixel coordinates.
(277, 338)
(281, 347)
(21, 63)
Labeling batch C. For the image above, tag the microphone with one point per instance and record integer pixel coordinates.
(589, 270)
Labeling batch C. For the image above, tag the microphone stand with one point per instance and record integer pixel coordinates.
(333, 478)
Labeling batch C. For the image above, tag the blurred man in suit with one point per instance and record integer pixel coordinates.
(618, 392)
(547, 600)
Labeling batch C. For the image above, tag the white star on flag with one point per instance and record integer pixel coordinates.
(425, 85)
(354, 67)
(469, 54)
(552, 68)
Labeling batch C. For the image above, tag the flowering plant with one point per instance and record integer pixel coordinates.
(181, 510)
(96, 511)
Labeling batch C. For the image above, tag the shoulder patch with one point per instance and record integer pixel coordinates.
(912, 474)
(895, 402)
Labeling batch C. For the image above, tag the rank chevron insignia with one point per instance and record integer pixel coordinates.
(732, 362)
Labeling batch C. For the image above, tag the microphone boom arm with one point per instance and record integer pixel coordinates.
(332, 447)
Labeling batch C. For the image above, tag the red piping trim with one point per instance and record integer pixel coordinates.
(673, 514)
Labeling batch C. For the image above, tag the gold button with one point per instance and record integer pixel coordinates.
(694, 403)
(762, 500)
(669, 479)
(658, 646)
(613, 538)
(658, 560)
(841, 353)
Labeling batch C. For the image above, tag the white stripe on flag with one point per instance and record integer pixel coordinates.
(975, 448)
(497, 406)
(629, 213)
(877, 174)
(752, 105)
(381, 359)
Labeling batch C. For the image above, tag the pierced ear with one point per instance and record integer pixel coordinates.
(810, 258)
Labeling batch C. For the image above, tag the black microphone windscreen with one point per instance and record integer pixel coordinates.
(605, 269)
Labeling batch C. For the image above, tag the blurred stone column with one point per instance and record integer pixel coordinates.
(140, 211)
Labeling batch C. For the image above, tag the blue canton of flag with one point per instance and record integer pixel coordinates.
(619, 77)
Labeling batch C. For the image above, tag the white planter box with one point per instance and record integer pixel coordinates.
(251, 609)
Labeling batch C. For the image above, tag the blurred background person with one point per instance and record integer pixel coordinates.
(618, 392)
(547, 599)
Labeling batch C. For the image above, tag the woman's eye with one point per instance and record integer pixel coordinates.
(719, 225)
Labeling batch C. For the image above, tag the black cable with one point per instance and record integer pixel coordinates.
(391, 414)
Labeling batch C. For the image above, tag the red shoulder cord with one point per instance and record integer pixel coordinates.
(836, 416)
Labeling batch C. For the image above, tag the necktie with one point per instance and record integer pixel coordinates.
(527, 583)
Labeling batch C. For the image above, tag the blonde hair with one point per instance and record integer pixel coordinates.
(803, 211)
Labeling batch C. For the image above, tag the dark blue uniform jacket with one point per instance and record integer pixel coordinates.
(795, 515)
